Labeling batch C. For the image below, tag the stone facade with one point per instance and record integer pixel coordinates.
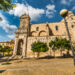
(27, 34)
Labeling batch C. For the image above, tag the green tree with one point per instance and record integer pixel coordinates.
(60, 44)
(53, 45)
(0, 48)
(67, 45)
(39, 47)
(64, 44)
(6, 5)
(3, 50)
(74, 48)
(7, 49)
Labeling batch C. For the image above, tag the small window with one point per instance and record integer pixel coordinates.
(37, 29)
(72, 18)
(56, 28)
(72, 26)
(47, 25)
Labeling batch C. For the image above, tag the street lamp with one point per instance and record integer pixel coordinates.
(64, 13)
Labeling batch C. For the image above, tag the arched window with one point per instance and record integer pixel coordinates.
(33, 33)
(42, 33)
(72, 18)
(72, 26)
(56, 28)
(37, 29)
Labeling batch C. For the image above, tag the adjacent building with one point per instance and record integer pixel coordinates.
(8, 43)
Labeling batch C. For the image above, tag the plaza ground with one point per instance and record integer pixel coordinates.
(57, 66)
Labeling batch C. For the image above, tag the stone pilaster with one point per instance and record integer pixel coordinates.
(15, 48)
(24, 52)
(47, 27)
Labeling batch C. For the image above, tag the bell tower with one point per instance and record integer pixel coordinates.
(25, 23)
(22, 36)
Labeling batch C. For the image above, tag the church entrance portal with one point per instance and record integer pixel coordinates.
(20, 47)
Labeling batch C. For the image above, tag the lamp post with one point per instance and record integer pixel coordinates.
(64, 13)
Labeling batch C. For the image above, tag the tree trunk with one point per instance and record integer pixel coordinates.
(33, 54)
(3, 53)
(8, 53)
(68, 51)
(61, 52)
(50, 52)
(38, 54)
(54, 54)
(68, 54)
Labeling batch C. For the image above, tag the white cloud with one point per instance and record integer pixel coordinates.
(50, 10)
(73, 8)
(67, 2)
(64, 2)
(4, 38)
(10, 29)
(34, 13)
(50, 7)
(11, 36)
(21, 9)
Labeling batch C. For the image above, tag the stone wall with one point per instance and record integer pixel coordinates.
(42, 29)
(44, 32)
(42, 39)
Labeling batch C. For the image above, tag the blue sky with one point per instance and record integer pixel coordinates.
(40, 11)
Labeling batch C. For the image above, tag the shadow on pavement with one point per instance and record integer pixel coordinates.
(1, 71)
(46, 57)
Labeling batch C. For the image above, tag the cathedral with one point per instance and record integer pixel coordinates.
(45, 32)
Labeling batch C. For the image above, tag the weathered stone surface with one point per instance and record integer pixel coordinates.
(44, 32)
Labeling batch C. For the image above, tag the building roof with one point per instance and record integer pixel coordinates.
(11, 41)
